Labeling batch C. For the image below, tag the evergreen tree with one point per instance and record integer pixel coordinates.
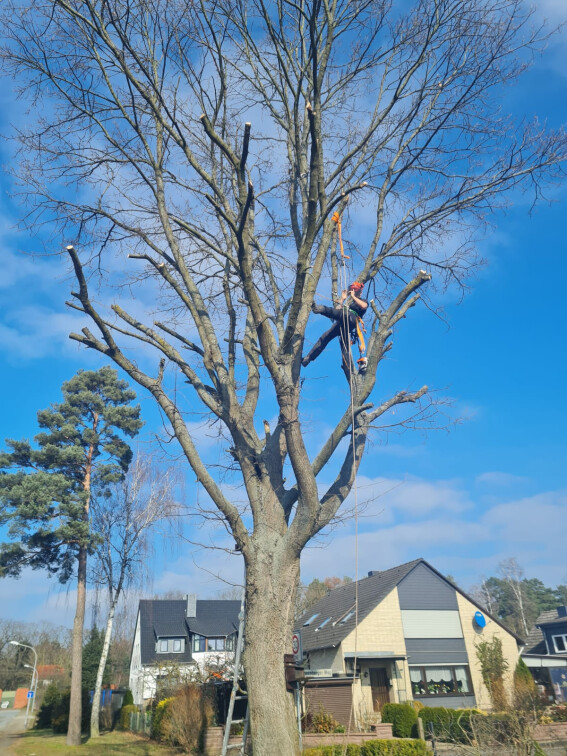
(92, 651)
(45, 490)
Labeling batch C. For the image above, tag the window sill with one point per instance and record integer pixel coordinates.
(441, 695)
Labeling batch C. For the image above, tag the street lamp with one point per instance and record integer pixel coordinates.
(34, 675)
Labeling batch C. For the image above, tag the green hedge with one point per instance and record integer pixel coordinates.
(372, 748)
(124, 718)
(403, 719)
(453, 725)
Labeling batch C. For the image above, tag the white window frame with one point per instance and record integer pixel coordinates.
(161, 643)
(563, 637)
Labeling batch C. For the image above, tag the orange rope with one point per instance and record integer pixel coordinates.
(337, 218)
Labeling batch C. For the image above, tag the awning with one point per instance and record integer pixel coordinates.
(387, 655)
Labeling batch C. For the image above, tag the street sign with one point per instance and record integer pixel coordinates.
(30, 694)
(296, 647)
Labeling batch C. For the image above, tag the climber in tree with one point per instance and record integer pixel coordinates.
(350, 308)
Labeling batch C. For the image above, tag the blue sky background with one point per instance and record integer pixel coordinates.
(493, 487)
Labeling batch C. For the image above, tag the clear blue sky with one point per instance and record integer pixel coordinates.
(493, 487)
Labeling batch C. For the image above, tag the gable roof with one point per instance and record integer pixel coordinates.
(339, 602)
(165, 618)
(535, 642)
(372, 590)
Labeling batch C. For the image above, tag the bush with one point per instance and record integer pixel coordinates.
(124, 718)
(558, 713)
(393, 748)
(322, 721)
(51, 699)
(452, 725)
(403, 719)
(372, 748)
(128, 699)
(183, 719)
(60, 714)
(159, 714)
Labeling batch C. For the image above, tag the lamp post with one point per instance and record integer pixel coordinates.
(34, 674)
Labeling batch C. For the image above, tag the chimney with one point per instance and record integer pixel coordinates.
(371, 573)
(191, 608)
(562, 611)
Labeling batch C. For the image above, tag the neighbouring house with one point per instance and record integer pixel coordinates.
(48, 673)
(546, 653)
(181, 639)
(402, 634)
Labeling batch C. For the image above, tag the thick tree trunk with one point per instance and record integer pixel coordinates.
(271, 582)
(75, 706)
(95, 712)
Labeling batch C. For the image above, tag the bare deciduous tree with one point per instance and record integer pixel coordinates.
(123, 519)
(513, 574)
(213, 141)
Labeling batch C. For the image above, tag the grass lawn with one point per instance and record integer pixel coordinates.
(45, 743)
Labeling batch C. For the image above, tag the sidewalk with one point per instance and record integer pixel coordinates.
(11, 725)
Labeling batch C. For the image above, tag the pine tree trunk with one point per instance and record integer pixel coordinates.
(75, 705)
(271, 584)
(95, 712)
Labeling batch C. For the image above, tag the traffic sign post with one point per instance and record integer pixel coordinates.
(296, 647)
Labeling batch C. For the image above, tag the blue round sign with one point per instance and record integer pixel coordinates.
(480, 619)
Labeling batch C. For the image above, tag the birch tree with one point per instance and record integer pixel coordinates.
(199, 151)
(124, 519)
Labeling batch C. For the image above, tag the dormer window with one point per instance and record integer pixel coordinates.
(200, 643)
(560, 643)
(171, 645)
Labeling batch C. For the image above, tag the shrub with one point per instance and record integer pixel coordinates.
(393, 748)
(372, 748)
(124, 718)
(128, 699)
(558, 713)
(159, 714)
(185, 717)
(323, 721)
(60, 714)
(51, 699)
(453, 725)
(403, 719)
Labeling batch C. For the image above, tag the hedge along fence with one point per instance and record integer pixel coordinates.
(373, 748)
(452, 725)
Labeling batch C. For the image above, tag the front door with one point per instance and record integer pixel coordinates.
(380, 688)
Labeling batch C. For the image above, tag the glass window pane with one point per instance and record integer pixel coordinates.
(559, 641)
(177, 645)
(439, 680)
(462, 680)
(163, 646)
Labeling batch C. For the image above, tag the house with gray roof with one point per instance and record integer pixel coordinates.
(546, 653)
(180, 639)
(402, 634)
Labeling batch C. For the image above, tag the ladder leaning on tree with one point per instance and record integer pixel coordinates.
(237, 694)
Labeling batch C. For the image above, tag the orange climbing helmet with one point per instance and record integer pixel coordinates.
(356, 286)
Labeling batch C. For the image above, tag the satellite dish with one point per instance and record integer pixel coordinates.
(480, 619)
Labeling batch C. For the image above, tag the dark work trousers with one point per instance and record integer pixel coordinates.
(345, 322)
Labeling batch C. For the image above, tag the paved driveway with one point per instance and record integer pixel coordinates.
(11, 724)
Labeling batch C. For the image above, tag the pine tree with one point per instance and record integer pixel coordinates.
(45, 490)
